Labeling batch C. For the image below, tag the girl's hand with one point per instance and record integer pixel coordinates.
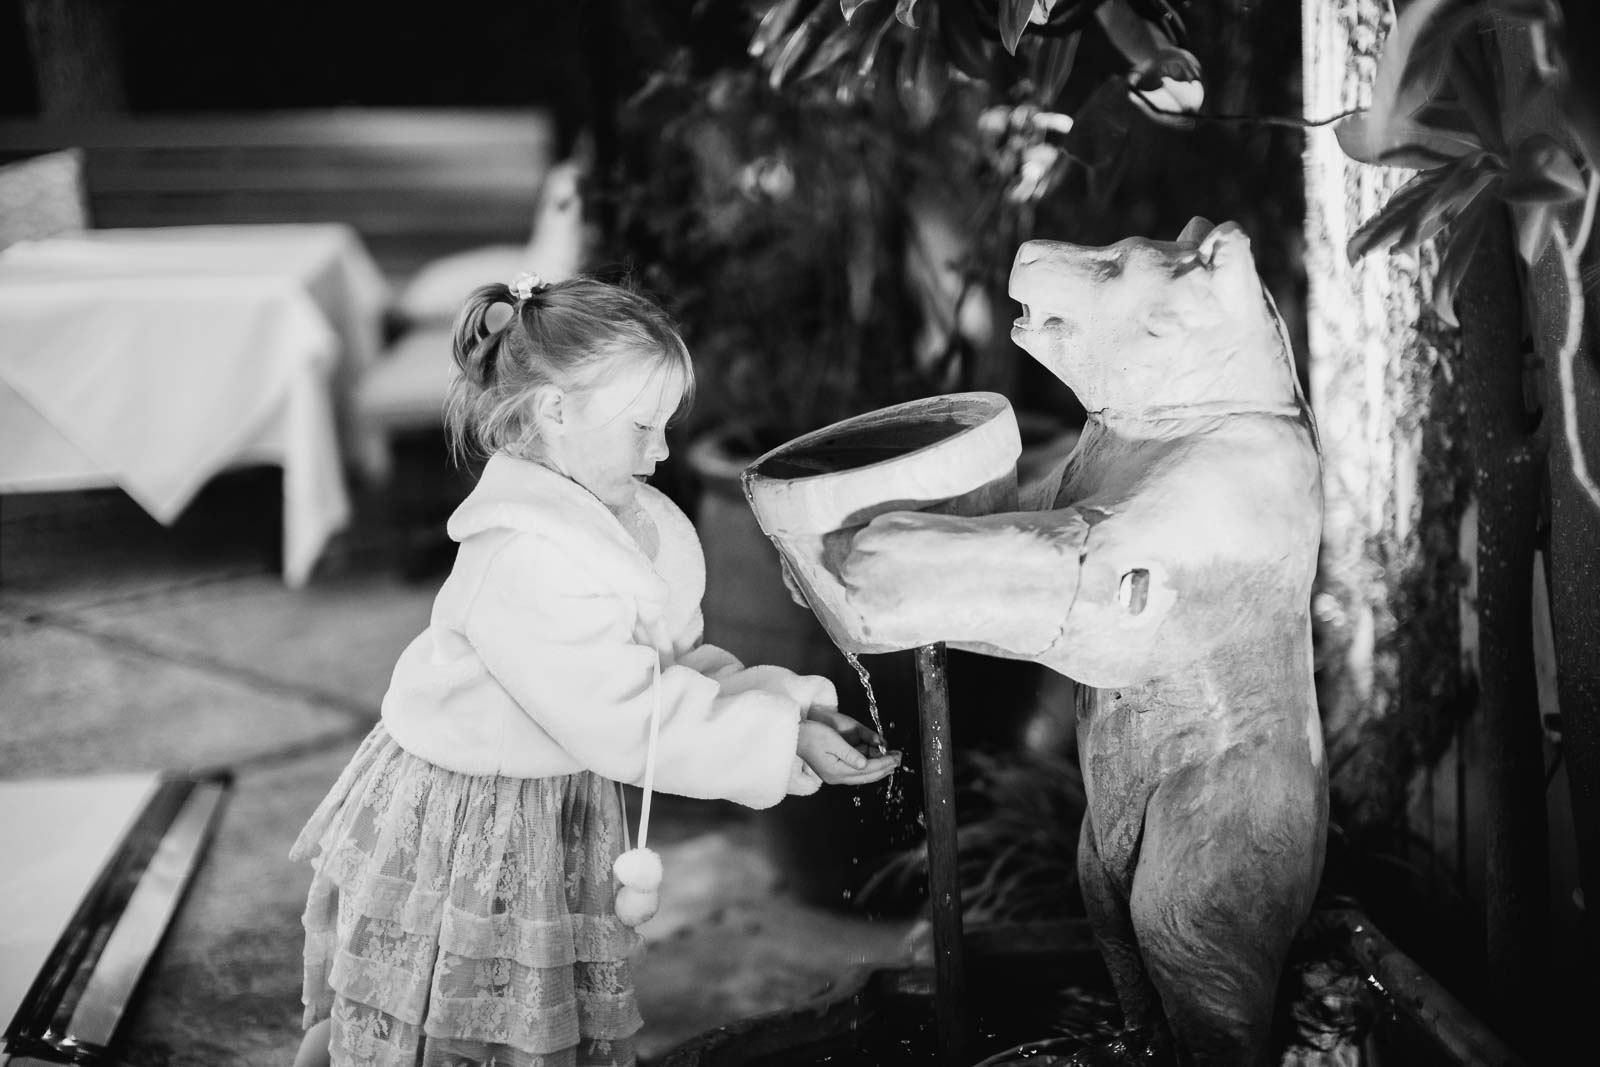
(866, 740)
(836, 761)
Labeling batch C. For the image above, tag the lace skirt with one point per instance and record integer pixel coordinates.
(457, 919)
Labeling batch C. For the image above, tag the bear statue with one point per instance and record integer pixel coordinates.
(1166, 569)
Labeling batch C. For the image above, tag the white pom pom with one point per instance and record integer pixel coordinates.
(635, 906)
(639, 868)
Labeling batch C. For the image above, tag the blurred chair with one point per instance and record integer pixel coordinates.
(554, 250)
(42, 196)
(399, 404)
(404, 390)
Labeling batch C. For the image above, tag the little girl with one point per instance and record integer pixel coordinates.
(462, 907)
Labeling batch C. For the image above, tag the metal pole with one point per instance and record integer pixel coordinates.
(944, 884)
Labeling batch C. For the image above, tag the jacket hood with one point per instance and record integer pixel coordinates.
(522, 496)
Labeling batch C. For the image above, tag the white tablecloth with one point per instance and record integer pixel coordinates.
(152, 359)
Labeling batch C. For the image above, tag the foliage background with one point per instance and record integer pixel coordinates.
(796, 292)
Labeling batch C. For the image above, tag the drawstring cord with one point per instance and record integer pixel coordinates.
(622, 804)
(638, 870)
(650, 751)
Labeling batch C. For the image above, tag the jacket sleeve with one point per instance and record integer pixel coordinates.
(566, 653)
(709, 660)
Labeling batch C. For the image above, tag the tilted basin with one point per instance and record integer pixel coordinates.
(954, 454)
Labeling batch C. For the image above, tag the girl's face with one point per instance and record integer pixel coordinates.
(614, 432)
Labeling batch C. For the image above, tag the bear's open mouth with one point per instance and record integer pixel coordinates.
(1048, 322)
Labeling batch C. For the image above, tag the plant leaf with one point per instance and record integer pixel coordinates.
(1411, 72)
(922, 77)
(1542, 172)
(771, 27)
(1054, 66)
(1391, 219)
(1385, 141)
(963, 41)
(1471, 81)
(1416, 156)
(874, 45)
(1404, 79)
(1461, 186)
(1447, 118)
(1524, 10)
(1014, 16)
(1437, 48)
(838, 45)
(1437, 36)
(1168, 21)
(798, 46)
(1535, 226)
(1466, 232)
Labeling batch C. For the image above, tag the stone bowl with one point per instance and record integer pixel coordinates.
(954, 454)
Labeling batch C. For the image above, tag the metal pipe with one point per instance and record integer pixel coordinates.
(944, 876)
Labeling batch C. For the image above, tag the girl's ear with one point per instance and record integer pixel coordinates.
(549, 410)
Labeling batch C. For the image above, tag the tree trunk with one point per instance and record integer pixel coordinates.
(1506, 462)
(1386, 612)
(1574, 555)
(77, 55)
(1570, 379)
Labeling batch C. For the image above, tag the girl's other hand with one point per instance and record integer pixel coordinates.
(836, 761)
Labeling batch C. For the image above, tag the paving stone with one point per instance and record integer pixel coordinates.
(73, 704)
(728, 943)
(338, 638)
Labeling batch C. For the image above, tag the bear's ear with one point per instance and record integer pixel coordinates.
(1226, 247)
(1196, 230)
(1225, 251)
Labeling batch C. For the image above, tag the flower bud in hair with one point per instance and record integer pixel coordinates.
(527, 284)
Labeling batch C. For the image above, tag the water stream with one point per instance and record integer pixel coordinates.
(872, 698)
(893, 785)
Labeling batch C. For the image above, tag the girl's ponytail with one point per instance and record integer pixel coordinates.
(475, 344)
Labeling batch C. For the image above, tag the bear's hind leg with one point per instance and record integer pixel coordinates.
(1107, 906)
(1217, 897)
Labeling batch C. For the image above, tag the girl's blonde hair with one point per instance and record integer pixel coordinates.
(566, 334)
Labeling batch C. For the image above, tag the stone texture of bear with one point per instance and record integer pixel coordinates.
(1167, 570)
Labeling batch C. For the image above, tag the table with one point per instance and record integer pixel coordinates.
(151, 359)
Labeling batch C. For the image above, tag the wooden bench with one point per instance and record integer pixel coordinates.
(415, 183)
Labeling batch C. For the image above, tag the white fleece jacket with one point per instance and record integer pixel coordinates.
(539, 657)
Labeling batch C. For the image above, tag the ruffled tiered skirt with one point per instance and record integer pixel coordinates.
(457, 919)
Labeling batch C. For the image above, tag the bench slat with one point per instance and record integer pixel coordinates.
(395, 127)
(415, 183)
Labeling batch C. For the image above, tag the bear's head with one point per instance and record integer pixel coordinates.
(1145, 324)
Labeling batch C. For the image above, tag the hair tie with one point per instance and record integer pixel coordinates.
(527, 284)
